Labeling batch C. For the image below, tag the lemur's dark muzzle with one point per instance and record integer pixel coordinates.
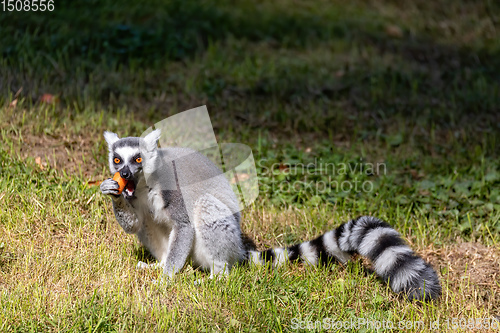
(125, 173)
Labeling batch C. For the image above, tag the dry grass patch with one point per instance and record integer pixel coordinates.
(472, 270)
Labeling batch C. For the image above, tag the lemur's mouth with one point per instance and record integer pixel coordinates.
(129, 189)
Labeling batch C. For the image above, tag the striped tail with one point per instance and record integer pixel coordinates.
(393, 260)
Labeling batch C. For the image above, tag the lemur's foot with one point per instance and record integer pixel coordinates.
(143, 265)
(212, 276)
(161, 282)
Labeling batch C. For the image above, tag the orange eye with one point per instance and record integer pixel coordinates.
(116, 160)
(138, 159)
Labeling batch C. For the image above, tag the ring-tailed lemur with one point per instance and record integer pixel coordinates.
(179, 221)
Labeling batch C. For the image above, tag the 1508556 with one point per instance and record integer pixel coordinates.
(27, 5)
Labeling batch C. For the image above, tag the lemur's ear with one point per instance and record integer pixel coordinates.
(110, 138)
(151, 139)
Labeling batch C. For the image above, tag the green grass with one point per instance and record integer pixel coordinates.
(310, 87)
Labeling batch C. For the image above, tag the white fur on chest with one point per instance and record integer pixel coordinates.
(149, 205)
(156, 224)
(157, 208)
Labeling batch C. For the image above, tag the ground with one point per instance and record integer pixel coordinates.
(413, 88)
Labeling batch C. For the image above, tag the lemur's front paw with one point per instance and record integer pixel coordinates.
(143, 265)
(110, 187)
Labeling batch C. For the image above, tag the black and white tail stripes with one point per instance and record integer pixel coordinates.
(393, 260)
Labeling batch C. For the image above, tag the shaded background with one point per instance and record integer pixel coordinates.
(264, 64)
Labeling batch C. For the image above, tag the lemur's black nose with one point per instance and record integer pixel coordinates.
(125, 173)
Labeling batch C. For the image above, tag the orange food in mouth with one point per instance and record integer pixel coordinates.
(121, 182)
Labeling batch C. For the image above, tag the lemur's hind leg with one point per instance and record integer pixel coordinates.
(218, 244)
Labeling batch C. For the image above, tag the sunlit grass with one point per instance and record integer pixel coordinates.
(66, 265)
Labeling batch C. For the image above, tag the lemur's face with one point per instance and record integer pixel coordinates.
(125, 157)
(128, 162)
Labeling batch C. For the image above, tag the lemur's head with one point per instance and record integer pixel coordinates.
(126, 156)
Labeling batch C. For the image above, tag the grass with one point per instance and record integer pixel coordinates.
(315, 89)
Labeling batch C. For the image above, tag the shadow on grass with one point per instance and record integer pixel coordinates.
(86, 43)
(143, 254)
(158, 30)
